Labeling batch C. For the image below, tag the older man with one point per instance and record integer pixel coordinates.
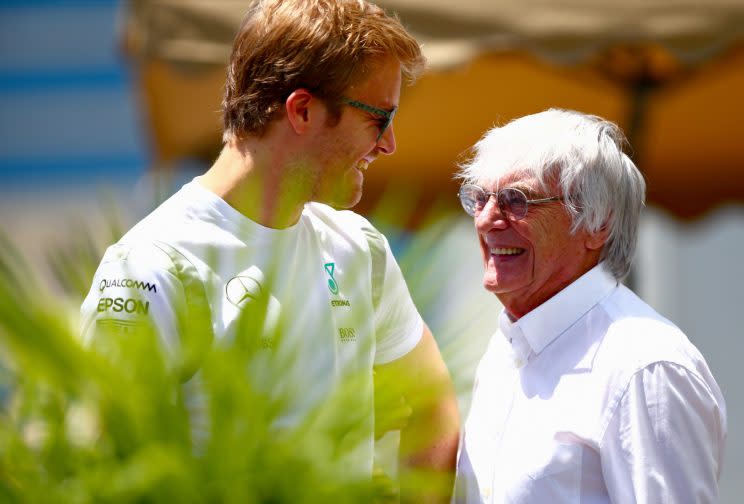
(312, 88)
(585, 394)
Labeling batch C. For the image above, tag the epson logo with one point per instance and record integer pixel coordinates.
(127, 283)
(119, 305)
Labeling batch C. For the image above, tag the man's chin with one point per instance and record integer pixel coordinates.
(351, 201)
(347, 200)
(494, 284)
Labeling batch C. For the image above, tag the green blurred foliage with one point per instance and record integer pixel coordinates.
(112, 423)
(116, 422)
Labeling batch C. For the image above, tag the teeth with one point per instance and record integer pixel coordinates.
(362, 165)
(505, 251)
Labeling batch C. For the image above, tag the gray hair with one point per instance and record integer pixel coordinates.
(584, 155)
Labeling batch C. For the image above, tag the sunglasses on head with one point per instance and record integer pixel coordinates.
(512, 202)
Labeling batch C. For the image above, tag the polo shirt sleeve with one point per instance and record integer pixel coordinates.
(398, 324)
(665, 440)
(138, 292)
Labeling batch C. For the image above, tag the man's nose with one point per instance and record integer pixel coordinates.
(491, 216)
(386, 143)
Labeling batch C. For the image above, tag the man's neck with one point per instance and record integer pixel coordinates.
(520, 303)
(252, 179)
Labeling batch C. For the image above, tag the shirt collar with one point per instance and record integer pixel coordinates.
(537, 329)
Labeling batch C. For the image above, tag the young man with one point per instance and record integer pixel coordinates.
(585, 394)
(312, 88)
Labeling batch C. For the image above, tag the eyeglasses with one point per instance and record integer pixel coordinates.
(512, 202)
(386, 116)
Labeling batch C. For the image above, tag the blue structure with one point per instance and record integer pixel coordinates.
(68, 116)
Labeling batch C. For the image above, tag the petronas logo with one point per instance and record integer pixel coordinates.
(332, 285)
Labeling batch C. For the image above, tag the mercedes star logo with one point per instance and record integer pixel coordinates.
(245, 287)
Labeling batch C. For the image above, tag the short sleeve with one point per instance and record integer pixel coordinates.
(666, 438)
(398, 324)
(138, 289)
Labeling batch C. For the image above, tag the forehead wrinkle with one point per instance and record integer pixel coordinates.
(511, 178)
(531, 181)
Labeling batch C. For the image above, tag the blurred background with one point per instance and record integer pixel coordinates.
(112, 105)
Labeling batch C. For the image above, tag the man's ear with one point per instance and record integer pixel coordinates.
(298, 108)
(597, 239)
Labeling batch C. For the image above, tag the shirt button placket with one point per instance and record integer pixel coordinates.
(487, 493)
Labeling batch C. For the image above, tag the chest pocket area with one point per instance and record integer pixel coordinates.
(556, 477)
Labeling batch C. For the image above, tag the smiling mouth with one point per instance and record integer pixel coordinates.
(511, 251)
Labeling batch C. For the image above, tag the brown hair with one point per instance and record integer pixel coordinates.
(324, 46)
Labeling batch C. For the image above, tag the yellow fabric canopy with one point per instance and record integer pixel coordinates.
(190, 31)
(670, 72)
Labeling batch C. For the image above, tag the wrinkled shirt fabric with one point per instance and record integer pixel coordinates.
(592, 397)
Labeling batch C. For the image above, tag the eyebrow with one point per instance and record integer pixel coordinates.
(522, 186)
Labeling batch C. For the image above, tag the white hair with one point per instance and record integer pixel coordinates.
(583, 154)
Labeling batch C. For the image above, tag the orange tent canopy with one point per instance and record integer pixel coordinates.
(669, 72)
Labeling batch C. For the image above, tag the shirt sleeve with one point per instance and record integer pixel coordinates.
(135, 290)
(398, 324)
(665, 440)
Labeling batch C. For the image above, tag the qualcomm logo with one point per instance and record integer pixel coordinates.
(127, 283)
(245, 287)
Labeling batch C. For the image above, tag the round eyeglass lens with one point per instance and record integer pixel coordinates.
(472, 198)
(513, 202)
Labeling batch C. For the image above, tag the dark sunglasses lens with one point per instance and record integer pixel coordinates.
(384, 126)
(513, 202)
(387, 123)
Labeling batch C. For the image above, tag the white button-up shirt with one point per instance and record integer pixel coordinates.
(592, 397)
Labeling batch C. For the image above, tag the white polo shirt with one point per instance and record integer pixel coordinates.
(592, 397)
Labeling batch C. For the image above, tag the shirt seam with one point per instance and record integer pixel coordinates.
(613, 409)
